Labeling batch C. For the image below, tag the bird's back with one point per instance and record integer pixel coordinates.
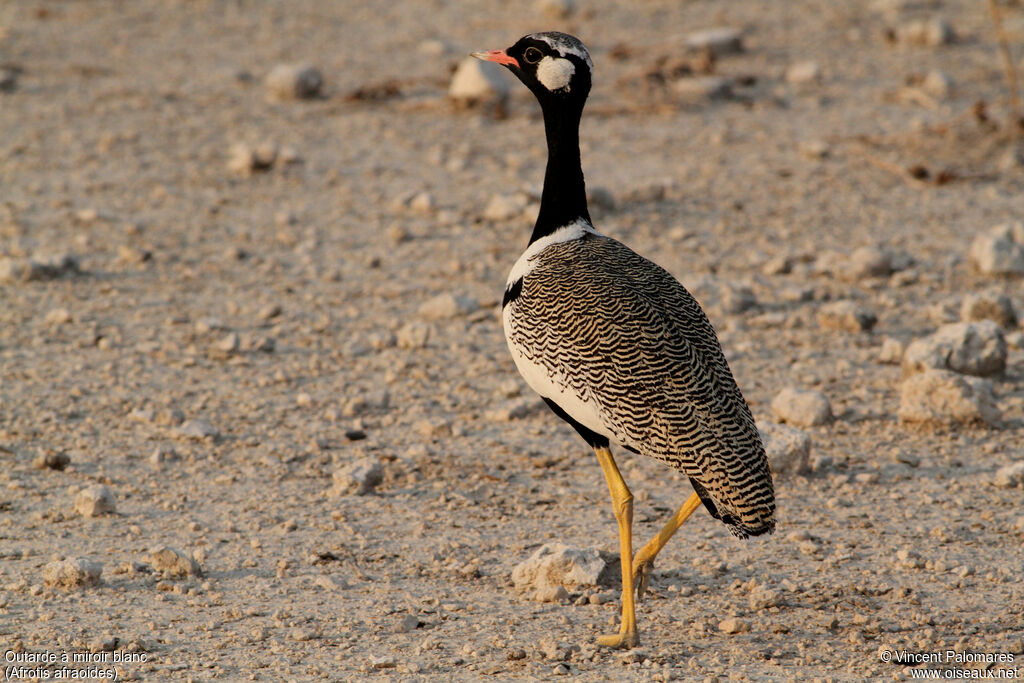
(631, 353)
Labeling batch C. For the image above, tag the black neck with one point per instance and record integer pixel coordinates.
(564, 199)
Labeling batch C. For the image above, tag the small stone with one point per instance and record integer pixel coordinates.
(943, 397)
(976, 348)
(162, 454)
(94, 501)
(294, 81)
(1010, 476)
(991, 305)
(173, 563)
(422, 202)
(813, 149)
(503, 207)
(53, 460)
(801, 407)
(413, 335)
(555, 9)
(801, 73)
(407, 624)
(433, 428)
(133, 255)
(733, 625)
(937, 83)
(846, 316)
(197, 429)
(696, 89)
(788, 449)
(301, 635)
(382, 662)
(551, 594)
(555, 565)
(865, 262)
(478, 82)
(360, 477)
(891, 352)
(927, 32)
(909, 559)
(244, 160)
(58, 316)
(270, 311)
(448, 305)
(396, 235)
(78, 572)
(355, 434)
(229, 344)
(1000, 251)
(719, 41)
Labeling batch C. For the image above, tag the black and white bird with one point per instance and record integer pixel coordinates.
(616, 346)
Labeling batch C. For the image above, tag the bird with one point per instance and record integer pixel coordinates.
(616, 346)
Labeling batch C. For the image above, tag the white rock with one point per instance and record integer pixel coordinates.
(999, 251)
(197, 429)
(865, 262)
(555, 565)
(448, 305)
(173, 563)
(846, 316)
(360, 477)
(422, 202)
(937, 83)
(720, 40)
(891, 352)
(788, 449)
(58, 316)
(476, 81)
(294, 81)
(74, 573)
(802, 407)
(1010, 476)
(413, 335)
(733, 625)
(928, 32)
(943, 397)
(801, 73)
(245, 159)
(555, 9)
(991, 305)
(95, 500)
(503, 207)
(698, 88)
(976, 348)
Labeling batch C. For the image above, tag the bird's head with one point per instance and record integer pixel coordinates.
(555, 66)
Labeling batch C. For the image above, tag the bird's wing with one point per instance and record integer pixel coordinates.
(630, 347)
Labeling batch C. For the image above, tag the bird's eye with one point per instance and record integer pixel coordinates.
(532, 55)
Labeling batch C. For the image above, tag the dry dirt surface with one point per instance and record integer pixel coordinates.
(257, 416)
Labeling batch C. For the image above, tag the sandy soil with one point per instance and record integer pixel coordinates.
(115, 142)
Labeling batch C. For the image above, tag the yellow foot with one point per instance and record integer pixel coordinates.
(624, 640)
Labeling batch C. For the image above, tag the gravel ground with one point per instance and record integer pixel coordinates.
(224, 313)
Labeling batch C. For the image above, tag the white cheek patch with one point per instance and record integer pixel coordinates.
(554, 73)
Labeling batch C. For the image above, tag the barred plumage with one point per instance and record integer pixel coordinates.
(621, 335)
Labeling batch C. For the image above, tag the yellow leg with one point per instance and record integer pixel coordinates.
(644, 559)
(622, 504)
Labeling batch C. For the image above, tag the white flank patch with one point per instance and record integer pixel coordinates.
(566, 233)
(554, 73)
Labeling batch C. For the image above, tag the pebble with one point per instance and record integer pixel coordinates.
(801, 73)
(244, 159)
(555, 9)
(478, 82)
(270, 311)
(448, 305)
(846, 316)
(999, 251)
(74, 573)
(990, 305)
(891, 352)
(802, 407)
(555, 565)
(229, 344)
(422, 202)
(788, 448)
(927, 32)
(294, 81)
(719, 41)
(732, 625)
(503, 207)
(865, 262)
(407, 624)
(197, 429)
(413, 335)
(94, 501)
(943, 397)
(976, 348)
(162, 454)
(173, 563)
(37, 269)
(695, 89)
(301, 635)
(360, 477)
(52, 460)
(383, 662)
(1010, 476)
(129, 254)
(937, 83)
(908, 559)
(58, 316)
